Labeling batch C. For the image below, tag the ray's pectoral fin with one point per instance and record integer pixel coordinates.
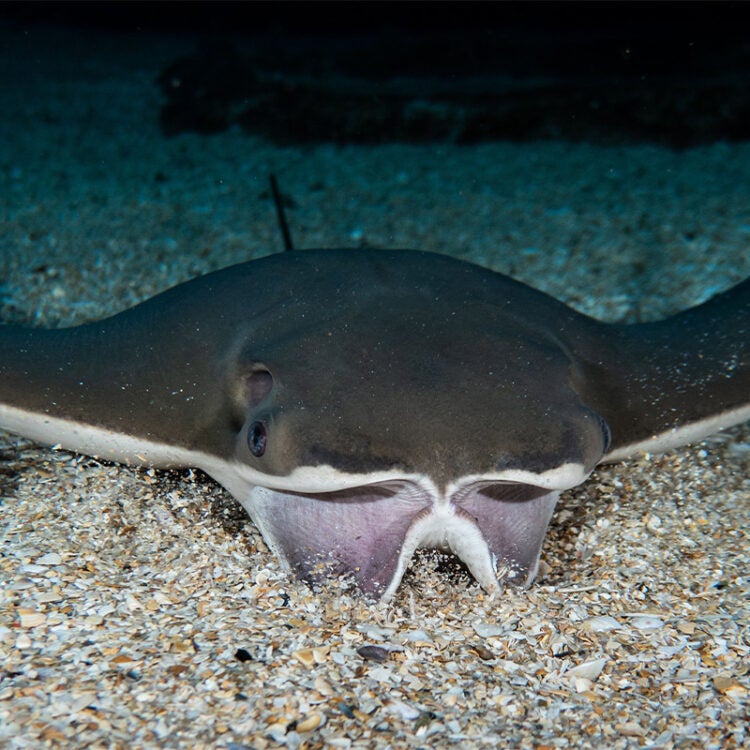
(664, 384)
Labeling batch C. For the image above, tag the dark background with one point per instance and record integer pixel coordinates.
(673, 73)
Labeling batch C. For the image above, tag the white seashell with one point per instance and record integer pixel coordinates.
(402, 710)
(647, 622)
(588, 670)
(601, 623)
(418, 635)
(32, 568)
(51, 558)
(487, 629)
(30, 619)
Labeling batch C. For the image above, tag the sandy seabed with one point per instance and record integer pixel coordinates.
(141, 609)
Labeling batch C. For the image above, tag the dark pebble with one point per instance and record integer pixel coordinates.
(373, 653)
(482, 652)
(243, 655)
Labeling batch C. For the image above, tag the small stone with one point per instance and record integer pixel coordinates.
(310, 722)
(242, 655)
(346, 709)
(373, 653)
(482, 652)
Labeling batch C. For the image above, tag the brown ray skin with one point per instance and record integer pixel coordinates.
(384, 359)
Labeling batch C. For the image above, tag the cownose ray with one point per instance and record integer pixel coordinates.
(361, 404)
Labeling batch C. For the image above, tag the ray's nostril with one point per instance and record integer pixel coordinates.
(258, 385)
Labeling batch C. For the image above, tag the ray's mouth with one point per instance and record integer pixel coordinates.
(369, 533)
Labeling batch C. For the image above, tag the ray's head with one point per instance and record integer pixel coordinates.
(382, 406)
(415, 391)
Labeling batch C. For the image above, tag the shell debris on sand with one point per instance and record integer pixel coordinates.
(125, 595)
(563, 659)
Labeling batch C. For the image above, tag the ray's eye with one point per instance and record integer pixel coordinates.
(257, 439)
